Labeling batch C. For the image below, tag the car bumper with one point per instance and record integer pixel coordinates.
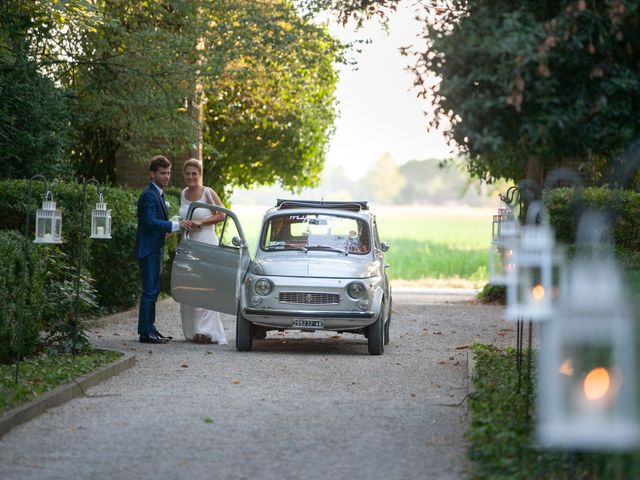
(334, 320)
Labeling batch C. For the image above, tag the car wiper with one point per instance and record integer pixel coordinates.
(327, 247)
(285, 246)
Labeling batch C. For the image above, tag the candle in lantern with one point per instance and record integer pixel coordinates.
(596, 384)
(537, 292)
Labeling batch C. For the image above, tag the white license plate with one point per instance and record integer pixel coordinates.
(300, 323)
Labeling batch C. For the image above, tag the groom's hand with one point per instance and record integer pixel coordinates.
(186, 224)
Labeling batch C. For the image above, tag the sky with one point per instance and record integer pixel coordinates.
(379, 111)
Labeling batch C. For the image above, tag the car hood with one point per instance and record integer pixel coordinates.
(316, 264)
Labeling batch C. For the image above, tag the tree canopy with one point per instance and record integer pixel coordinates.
(515, 83)
(127, 72)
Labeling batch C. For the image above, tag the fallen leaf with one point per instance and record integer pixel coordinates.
(207, 420)
(236, 382)
(209, 352)
(462, 347)
(442, 363)
(437, 333)
(451, 358)
(117, 334)
(413, 394)
(184, 365)
(334, 337)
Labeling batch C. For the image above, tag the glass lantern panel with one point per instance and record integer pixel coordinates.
(589, 381)
(43, 227)
(531, 288)
(57, 226)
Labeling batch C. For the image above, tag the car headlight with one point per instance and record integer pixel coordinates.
(356, 290)
(263, 287)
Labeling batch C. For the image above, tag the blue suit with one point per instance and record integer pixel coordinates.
(153, 225)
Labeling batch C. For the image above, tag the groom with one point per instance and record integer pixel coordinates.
(153, 226)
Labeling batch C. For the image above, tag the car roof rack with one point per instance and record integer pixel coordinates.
(354, 206)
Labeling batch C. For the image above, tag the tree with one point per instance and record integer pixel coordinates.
(270, 111)
(130, 78)
(384, 180)
(529, 84)
(34, 130)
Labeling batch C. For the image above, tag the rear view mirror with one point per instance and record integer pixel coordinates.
(237, 242)
(384, 246)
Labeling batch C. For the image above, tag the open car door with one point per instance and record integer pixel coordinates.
(206, 275)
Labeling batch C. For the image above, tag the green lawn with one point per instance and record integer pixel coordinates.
(429, 246)
(41, 373)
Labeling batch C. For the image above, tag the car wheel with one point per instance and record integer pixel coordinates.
(376, 336)
(387, 326)
(244, 333)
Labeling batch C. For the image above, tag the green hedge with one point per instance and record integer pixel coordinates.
(109, 264)
(622, 205)
(12, 294)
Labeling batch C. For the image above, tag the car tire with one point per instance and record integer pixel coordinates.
(387, 326)
(375, 340)
(244, 333)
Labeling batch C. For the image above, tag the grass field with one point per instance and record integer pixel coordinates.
(430, 246)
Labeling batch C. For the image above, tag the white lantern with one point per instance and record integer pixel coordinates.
(537, 277)
(501, 252)
(48, 222)
(505, 213)
(587, 391)
(101, 221)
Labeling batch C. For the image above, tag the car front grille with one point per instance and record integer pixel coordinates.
(310, 298)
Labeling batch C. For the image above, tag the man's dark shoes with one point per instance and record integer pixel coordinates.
(152, 338)
(159, 335)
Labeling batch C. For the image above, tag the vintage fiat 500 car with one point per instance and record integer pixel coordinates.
(318, 266)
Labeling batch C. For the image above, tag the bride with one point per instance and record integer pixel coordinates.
(198, 324)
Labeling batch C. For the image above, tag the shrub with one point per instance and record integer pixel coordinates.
(12, 294)
(622, 205)
(111, 266)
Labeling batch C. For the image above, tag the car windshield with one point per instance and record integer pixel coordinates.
(316, 231)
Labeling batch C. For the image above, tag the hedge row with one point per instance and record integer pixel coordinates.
(12, 294)
(109, 264)
(622, 206)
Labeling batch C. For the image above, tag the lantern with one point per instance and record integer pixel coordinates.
(48, 222)
(537, 276)
(587, 392)
(101, 221)
(504, 213)
(502, 251)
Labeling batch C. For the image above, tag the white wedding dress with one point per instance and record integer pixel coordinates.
(200, 321)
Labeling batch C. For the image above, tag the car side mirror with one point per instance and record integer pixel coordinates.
(237, 242)
(384, 246)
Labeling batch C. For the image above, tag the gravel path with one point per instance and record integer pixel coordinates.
(300, 406)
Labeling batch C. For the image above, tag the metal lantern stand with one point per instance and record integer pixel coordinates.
(100, 229)
(48, 230)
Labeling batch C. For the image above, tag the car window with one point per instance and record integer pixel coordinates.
(376, 237)
(316, 231)
(227, 230)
